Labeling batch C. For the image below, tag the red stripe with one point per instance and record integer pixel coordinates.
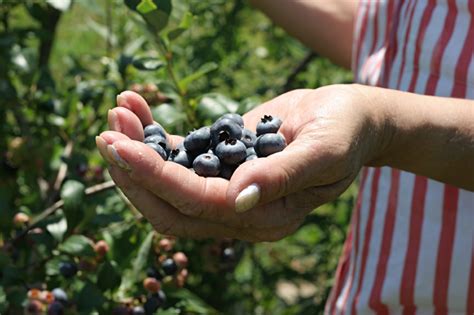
(375, 300)
(361, 38)
(460, 77)
(407, 288)
(428, 12)
(390, 6)
(445, 250)
(407, 32)
(440, 48)
(470, 291)
(357, 231)
(367, 236)
(392, 47)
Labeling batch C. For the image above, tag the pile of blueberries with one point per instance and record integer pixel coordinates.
(218, 150)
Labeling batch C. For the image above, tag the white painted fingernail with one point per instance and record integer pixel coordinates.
(113, 155)
(248, 198)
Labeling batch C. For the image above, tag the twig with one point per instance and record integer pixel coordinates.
(62, 172)
(297, 70)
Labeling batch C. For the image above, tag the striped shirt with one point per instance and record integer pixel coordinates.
(410, 246)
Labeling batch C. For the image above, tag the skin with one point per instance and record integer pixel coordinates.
(332, 132)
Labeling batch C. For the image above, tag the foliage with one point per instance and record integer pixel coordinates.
(61, 65)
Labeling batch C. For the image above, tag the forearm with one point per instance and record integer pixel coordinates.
(427, 135)
(324, 26)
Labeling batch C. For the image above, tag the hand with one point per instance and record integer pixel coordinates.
(331, 131)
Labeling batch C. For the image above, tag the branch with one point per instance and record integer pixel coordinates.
(297, 70)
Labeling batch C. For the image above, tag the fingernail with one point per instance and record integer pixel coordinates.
(113, 121)
(102, 146)
(113, 154)
(120, 99)
(248, 198)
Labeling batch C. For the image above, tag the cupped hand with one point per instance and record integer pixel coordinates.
(331, 133)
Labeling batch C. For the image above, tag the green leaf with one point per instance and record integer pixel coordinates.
(109, 277)
(213, 105)
(146, 6)
(61, 5)
(169, 116)
(3, 300)
(148, 63)
(182, 27)
(72, 193)
(89, 298)
(203, 70)
(140, 261)
(157, 19)
(57, 229)
(78, 245)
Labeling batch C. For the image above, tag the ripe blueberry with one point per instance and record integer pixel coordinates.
(154, 129)
(248, 137)
(153, 302)
(234, 117)
(269, 143)
(231, 151)
(60, 295)
(250, 151)
(198, 141)
(268, 124)
(227, 170)
(158, 139)
(223, 129)
(228, 254)
(138, 310)
(169, 266)
(158, 149)
(55, 308)
(207, 165)
(181, 157)
(68, 269)
(153, 273)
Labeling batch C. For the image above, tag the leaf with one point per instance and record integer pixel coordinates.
(147, 63)
(72, 193)
(89, 298)
(109, 277)
(3, 300)
(157, 19)
(203, 70)
(78, 245)
(142, 257)
(182, 27)
(213, 105)
(58, 229)
(168, 116)
(61, 5)
(146, 6)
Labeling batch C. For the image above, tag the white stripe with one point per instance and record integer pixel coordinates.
(365, 200)
(428, 254)
(411, 44)
(432, 33)
(375, 240)
(460, 262)
(401, 37)
(391, 288)
(359, 19)
(470, 79)
(364, 215)
(369, 34)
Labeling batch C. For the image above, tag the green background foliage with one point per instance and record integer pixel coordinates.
(60, 70)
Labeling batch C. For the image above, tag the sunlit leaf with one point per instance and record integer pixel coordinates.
(77, 245)
(203, 70)
(146, 6)
(148, 63)
(58, 229)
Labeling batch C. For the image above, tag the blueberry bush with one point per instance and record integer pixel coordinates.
(70, 242)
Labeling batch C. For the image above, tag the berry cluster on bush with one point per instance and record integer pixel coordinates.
(46, 302)
(217, 150)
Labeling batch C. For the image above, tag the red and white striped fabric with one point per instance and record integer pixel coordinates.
(410, 247)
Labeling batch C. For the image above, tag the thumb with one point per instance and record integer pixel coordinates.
(265, 179)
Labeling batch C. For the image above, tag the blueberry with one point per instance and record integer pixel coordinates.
(121, 310)
(154, 129)
(138, 310)
(227, 170)
(234, 117)
(248, 137)
(158, 139)
(169, 266)
(223, 129)
(158, 149)
(250, 151)
(152, 272)
(153, 302)
(268, 124)
(269, 143)
(231, 151)
(228, 254)
(198, 141)
(181, 157)
(55, 308)
(251, 157)
(60, 295)
(68, 269)
(207, 165)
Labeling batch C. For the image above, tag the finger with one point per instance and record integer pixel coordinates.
(105, 139)
(125, 121)
(164, 218)
(137, 104)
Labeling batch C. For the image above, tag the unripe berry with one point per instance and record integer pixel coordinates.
(180, 259)
(101, 248)
(47, 296)
(21, 219)
(34, 294)
(166, 245)
(151, 284)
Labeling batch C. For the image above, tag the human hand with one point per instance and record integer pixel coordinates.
(331, 132)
